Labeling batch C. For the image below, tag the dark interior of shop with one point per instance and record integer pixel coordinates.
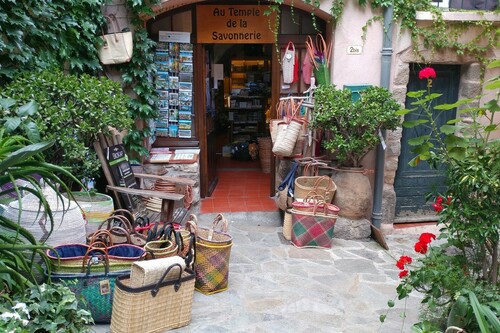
(241, 101)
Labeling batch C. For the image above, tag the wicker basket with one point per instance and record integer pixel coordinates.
(287, 224)
(213, 250)
(69, 224)
(212, 236)
(96, 207)
(161, 248)
(318, 185)
(154, 308)
(265, 146)
(146, 272)
(72, 258)
(287, 138)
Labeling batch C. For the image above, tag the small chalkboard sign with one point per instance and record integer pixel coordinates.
(122, 173)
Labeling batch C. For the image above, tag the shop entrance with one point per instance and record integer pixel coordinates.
(241, 96)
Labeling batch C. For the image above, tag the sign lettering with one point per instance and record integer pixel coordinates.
(222, 24)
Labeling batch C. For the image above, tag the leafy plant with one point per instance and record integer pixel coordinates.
(47, 33)
(473, 174)
(45, 308)
(20, 254)
(71, 111)
(459, 278)
(352, 127)
(20, 118)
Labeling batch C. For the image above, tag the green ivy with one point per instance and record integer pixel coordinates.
(138, 75)
(48, 33)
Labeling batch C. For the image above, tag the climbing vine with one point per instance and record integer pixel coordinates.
(138, 74)
(438, 35)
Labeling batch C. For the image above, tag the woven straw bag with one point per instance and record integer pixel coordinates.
(320, 185)
(287, 224)
(213, 251)
(72, 258)
(212, 236)
(146, 272)
(287, 138)
(161, 248)
(163, 305)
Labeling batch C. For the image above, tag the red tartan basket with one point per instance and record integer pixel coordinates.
(312, 230)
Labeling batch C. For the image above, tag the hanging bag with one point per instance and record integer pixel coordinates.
(288, 64)
(117, 46)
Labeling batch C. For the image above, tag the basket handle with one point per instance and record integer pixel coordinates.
(91, 261)
(223, 226)
(177, 284)
(101, 236)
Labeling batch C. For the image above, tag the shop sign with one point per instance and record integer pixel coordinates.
(229, 24)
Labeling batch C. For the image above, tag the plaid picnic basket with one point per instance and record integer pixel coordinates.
(213, 250)
(313, 227)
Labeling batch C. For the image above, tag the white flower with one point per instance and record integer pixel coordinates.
(21, 306)
(10, 315)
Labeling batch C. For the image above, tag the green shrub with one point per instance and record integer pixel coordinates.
(71, 111)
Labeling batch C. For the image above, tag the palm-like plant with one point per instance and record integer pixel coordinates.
(20, 253)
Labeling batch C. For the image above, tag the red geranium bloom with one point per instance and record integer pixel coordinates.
(427, 237)
(437, 207)
(403, 260)
(421, 247)
(402, 274)
(439, 200)
(427, 73)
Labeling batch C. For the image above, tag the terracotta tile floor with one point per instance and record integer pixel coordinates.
(242, 187)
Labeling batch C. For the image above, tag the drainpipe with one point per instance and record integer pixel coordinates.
(384, 82)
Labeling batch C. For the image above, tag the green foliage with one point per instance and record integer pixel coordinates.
(71, 111)
(20, 118)
(44, 308)
(19, 251)
(473, 173)
(352, 128)
(136, 75)
(47, 33)
(459, 278)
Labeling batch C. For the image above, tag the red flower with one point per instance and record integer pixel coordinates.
(403, 260)
(426, 237)
(402, 274)
(449, 200)
(421, 247)
(427, 73)
(437, 207)
(439, 200)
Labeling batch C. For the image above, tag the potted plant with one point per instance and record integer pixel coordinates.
(351, 130)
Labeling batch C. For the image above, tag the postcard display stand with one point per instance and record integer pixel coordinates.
(174, 83)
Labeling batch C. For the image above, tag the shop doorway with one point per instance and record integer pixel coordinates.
(241, 96)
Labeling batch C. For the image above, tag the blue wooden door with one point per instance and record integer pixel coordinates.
(412, 184)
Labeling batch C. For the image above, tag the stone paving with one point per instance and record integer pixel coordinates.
(275, 287)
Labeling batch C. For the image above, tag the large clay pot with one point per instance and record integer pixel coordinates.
(354, 193)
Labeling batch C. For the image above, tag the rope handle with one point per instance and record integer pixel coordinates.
(223, 226)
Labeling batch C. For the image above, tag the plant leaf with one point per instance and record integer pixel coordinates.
(413, 123)
(418, 140)
(28, 109)
(12, 123)
(476, 306)
(448, 129)
(6, 103)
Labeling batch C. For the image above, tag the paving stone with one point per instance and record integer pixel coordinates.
(275, 287)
